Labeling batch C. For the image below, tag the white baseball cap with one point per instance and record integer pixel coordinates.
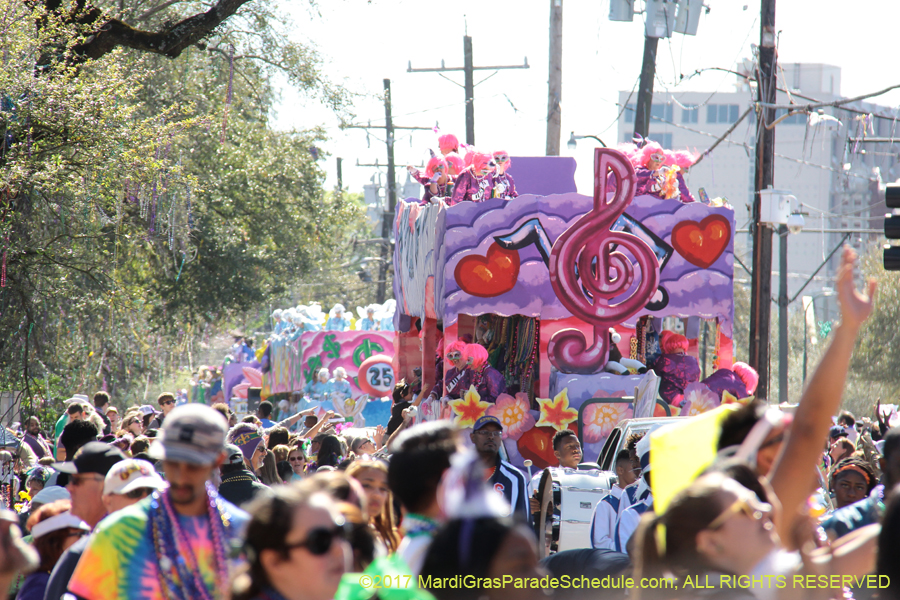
(51, 493)
(131, 474)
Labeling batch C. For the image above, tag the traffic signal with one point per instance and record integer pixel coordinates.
(892, 228)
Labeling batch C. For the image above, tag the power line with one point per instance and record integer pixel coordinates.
(749, 147)
(794, 93)
(468, 70)
(836, 103)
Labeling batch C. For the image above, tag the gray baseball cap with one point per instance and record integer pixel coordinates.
(192, 433)
(233, 455)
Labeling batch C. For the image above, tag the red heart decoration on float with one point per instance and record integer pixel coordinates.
(701, 244)
(536, 444)
(488, 276)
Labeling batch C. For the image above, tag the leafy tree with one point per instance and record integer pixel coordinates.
(145, 200)
(874, 370)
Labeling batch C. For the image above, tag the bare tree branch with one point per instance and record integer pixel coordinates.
(150, 12)
(170, 41)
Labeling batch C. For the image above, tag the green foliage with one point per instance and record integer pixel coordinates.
(139, 208)
(72, 141)
(874, 369)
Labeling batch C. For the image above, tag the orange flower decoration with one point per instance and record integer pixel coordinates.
(601, 418)
(556, 413)
(469, 408)
(728, 398)
(514, 414)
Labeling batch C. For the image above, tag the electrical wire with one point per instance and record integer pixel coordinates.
(748, 147)
(705, 102)
(624, 105)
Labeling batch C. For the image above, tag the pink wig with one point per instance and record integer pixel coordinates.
(448, 143)
(477, 354)
(457, 346)
(439, 347)
(639, 157)
(503, 152)
(433, 164)
(480, 161)
(674, 342)
(455, 163)
(747, 374)
(662, 338)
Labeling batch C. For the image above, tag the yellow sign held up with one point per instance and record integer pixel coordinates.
(681, 451)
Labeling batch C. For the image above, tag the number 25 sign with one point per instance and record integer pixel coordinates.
(376, 376)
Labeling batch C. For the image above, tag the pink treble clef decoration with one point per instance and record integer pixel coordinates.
(588, 270)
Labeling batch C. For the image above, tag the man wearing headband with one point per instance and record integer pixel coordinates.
(175, 544)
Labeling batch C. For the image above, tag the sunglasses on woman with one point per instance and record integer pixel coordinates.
(751, 508)
(319, 540)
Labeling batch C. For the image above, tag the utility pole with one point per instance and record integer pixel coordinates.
(782, 314)
(761, 288)
(469, 84)
(469, 78)
(645, 88)
(388, 214)
(554, 95)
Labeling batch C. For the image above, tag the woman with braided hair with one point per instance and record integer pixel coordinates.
(851, 480)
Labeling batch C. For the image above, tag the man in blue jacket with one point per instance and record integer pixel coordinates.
(502, 476)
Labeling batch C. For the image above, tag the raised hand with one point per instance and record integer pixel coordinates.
(855, 306)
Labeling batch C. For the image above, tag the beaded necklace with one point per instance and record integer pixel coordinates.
(178, 569)
(237, 478)
(479, 375)
(416, 525)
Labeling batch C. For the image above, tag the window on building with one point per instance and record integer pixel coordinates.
(661, 112)
(722, 113)
(629, 113)
(689, 115)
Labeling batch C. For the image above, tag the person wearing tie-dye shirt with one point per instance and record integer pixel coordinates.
(176, 544)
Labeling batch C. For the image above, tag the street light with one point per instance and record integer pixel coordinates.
(572, 143)
(812, 302)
